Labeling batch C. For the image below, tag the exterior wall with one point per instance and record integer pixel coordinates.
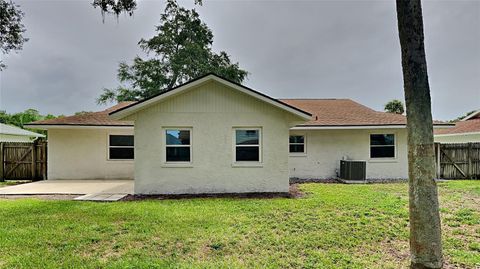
(325, 149)
(15, 138)
(83, 154)
(211, 111)
(458, 138)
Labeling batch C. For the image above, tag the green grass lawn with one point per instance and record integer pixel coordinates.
(333, 226)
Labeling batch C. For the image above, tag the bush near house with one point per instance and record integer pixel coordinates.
(332, 226)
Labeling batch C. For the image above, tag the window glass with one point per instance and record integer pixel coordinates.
(247, 145)
(121, 140)
(382, 152)
(297, 139)
(178, 154)
(297, 148)
(121, 153)
(248, 154)
(382, 139)
(178, 137)
(382, 146)
(297, 144)
(120, 147)
(177, 145)
(247, 137)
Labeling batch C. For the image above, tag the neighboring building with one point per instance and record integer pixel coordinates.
(211, 135)
(465, 131)
(9, 133)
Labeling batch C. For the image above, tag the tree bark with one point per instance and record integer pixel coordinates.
(425, 229)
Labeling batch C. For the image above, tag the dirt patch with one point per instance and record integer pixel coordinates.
(294, 192)
(313, 180)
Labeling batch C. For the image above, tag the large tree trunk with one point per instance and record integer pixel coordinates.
(425, 230)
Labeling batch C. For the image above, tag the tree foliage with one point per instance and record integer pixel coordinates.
(11, 28)
(395, 106)
(180, 51)
(117, 7)
(21, 118)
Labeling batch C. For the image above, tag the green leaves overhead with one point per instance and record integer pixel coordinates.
(11, 28)
(180, 51)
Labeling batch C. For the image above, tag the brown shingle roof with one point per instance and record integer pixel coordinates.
(99, 118)
(343, 112)
(326, 112)
(468, 126)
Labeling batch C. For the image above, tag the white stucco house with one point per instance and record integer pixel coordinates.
(211, 135)
(465, 131)
(9, 133)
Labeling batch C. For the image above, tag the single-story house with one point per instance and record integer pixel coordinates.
(9, 133)
(465, 131)
(211, 135)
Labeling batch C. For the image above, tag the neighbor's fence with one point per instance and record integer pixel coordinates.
(458, 161)
(23, 160)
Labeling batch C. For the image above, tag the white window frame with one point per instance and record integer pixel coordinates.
(260, 147)
(304, 153)
(164, 139)
(382, 158)
(109, 147)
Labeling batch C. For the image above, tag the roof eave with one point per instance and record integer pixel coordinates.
(76, 126)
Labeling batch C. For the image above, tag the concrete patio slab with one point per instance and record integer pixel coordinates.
(100, 197)
(80, 187)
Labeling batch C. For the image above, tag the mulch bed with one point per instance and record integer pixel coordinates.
(294, 192)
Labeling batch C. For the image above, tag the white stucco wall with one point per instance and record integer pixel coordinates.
(325, 149)
(83, 154)
(211, 111)
(458, 138)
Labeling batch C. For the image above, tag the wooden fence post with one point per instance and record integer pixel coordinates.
(469, 156)
(34, 159)
(439, 165)
(2, 165)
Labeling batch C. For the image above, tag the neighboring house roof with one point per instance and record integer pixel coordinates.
(337, 113)
(462, 127)
(128, 110)
(10, 133)
(99, 118)
(475, 114)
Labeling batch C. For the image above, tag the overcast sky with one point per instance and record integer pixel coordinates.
(314, 49)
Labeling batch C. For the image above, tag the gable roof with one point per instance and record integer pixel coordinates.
(99, 118)
(336, 113)
(130, 109)
(473, 115)
(13, 130)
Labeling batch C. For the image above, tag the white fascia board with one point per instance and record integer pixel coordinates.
(130, 110)
(360, 127)
(457, 134)
(68, 126)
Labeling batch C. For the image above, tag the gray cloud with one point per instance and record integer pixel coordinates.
(316, 49)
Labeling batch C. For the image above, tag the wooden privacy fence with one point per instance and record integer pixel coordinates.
(23, 160)
(458, 161)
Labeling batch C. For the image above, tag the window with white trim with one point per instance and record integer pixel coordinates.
(120, 147)
(247, 144)
(297, 144)
(382, 146)
(178, 145)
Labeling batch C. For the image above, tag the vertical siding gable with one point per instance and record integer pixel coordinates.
(213, 97)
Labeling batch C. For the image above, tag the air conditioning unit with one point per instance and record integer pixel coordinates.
(353, 170)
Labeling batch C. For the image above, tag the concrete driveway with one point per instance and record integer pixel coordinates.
(80, 187)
